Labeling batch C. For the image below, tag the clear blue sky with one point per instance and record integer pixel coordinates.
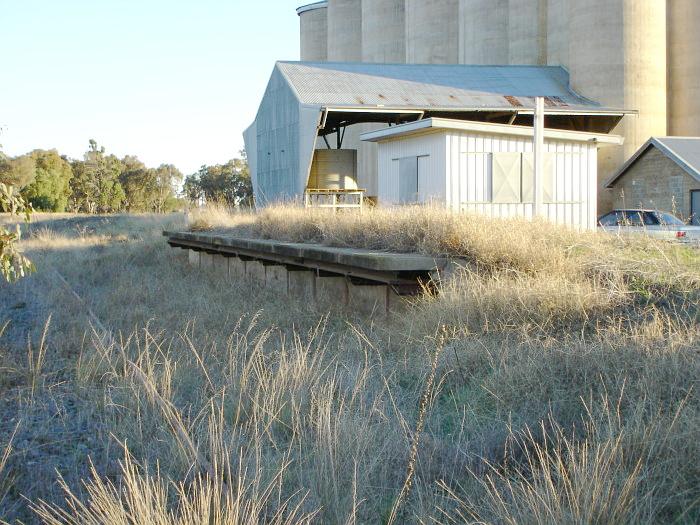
(170, 81)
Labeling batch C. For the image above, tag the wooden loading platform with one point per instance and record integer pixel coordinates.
(364, 278)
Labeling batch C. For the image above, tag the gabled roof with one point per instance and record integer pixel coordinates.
(436, 86)
(684, 151)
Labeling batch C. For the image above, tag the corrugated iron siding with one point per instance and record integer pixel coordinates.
(281, 149)
(277, 143)
(458, 175)
(431, 182)
(574, 178)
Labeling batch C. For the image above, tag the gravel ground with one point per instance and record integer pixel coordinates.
(22, 309)
(53, 428)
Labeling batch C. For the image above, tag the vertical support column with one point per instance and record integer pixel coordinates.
(255, 272)
(220, 265)
(331, 290)
(538, 148)
(206, 260)
(301, 284)
(193, 258)
(237, 268)
(277, 279)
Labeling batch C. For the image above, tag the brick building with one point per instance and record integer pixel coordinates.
(663, 174)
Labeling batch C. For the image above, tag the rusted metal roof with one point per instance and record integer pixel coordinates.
(434, 86)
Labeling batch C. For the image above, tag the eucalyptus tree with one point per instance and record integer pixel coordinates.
(13, 264)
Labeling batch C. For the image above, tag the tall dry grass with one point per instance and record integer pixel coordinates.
(498, 244)
(608, 470)
(508, 271)
(224, 497)
(555, 396)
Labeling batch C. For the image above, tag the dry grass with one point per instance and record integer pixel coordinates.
(511, 272)
(222, 498)
(505, 244)
(564, 391)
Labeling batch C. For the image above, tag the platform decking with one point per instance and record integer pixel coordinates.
(403, 272)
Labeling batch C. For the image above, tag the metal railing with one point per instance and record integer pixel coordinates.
(334, 199)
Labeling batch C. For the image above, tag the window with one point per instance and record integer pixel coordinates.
(668, 220)
(633, 218)
(650, 219)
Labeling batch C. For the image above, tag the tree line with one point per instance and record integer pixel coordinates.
(227, 183)
(104, 183)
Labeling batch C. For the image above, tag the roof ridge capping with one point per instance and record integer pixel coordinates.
(667, 149)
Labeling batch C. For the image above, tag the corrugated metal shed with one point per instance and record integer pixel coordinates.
(306, 99)
(488, 169)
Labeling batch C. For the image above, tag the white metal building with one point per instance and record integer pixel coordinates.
(310, 106)
(489, 168)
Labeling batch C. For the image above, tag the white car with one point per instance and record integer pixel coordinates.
(654, 223)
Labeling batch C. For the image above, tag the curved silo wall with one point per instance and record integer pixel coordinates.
(313, 26)
(344, 30)
(384, 31)
(483, 32)
(432, 31)
(618, 58)
(684, 67)
(558, 32)
(527, 32)
(383, 40)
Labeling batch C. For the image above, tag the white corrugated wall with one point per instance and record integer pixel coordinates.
(431, 183)
(458, 174)
(574, 177)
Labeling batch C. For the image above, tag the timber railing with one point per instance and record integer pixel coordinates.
(334, 199)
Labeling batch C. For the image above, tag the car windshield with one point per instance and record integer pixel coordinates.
(669, 220)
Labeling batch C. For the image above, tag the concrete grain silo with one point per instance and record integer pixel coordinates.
(483, 32)
(384, 31)
(313, 25)
(617, 57)
(383, 41)
(432, 31)
(527, 37)
(558, 32)
(344, 30)
(684, 67)
(345, 45)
